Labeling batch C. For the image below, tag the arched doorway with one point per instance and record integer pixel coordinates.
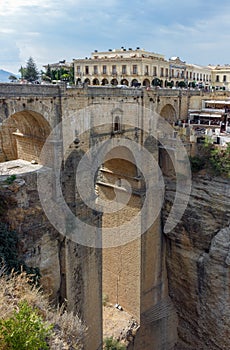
(96, 81)
(124, 82)
(87, 81)
(104, 82)
(146, 83)
(156, 82)
(168, 112)
(135, 83)
(114, 82)
(23, 136)
(78, 81)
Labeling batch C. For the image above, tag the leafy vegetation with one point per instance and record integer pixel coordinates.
(12, 78)
(29, 322)
(61, 73)
(10, 179)
(212, 159)
(113, 344)
(24, 330)
(30, 72)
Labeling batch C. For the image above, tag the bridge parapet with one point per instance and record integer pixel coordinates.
(18, 90)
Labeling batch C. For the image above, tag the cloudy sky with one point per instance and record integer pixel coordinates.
(197, 31)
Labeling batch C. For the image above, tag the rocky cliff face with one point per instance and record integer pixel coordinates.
(68, 271)
(39, 243)
(198, 261)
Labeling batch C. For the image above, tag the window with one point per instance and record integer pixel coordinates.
(95, 70)
(172, 73)
(166, 72)
(86, 69)
(190, 75)
(217, 78)
(124, 70)
(162, 72)
(154, 71)
(224, 78)
(78, 69)
(134, 69)
(104, 69)
(146, 70)
(114, 69)
(116, 125)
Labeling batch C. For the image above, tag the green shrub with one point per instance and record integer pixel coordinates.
(214, 160)
(220, 161)
(197, 163)
(10, 179)
(113, 344)
(25, 330)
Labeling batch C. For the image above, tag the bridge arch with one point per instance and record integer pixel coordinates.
(23, 135)
(168, 112)
(119, 165)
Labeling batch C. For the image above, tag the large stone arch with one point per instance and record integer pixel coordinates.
(168, 112)
(118, 165)
(23, 135)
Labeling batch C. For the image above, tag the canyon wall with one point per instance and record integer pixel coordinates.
(198, 260)
(69, 272)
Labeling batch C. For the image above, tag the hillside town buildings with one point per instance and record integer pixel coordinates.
(138, 67)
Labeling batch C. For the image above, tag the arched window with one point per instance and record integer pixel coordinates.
(116, 124)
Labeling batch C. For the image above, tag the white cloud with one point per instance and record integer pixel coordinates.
(57, 29)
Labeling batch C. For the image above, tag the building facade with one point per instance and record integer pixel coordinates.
(221, 77)
(138, 68)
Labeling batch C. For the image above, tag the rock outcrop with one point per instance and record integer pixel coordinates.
(198, 260)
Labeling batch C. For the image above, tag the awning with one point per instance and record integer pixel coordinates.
(210, 115)
(222, 102)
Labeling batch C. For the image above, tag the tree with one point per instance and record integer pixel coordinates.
(12, 78)
(156, 82)
(22, 71)
(182, 84)
(31, 73)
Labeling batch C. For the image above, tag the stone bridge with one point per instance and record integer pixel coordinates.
(29, 112)
(132, 275)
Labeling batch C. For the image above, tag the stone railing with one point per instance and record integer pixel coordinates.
(17, 90)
